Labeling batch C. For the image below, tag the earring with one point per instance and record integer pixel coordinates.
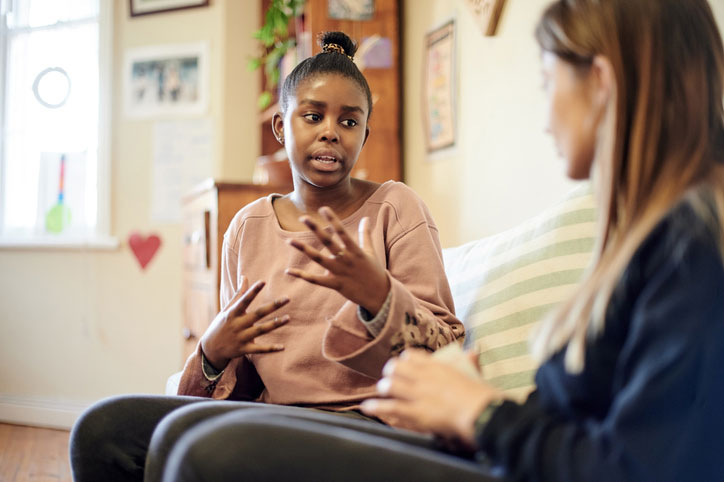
(280, 139)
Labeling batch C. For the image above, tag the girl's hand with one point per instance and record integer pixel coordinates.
(352, 270)
(430, 396)
(233, 331)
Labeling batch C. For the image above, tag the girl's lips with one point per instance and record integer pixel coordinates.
(325, 163)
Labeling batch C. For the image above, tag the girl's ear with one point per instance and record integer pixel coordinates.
(603, 80)
(278, 127)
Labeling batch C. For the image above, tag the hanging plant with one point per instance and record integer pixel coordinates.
(275, 43)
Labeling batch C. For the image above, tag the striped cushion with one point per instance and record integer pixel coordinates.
(504, 284)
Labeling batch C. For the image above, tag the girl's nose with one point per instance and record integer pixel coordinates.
(328, 132)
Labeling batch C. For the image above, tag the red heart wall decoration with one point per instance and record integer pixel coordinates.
(144, 248)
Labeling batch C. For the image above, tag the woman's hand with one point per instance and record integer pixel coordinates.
(352, 269)
(430, 396)
(233, 331)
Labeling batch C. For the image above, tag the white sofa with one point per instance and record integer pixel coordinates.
(504, 284)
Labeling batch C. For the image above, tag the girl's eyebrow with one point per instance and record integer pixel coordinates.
(314, 103)
(353, 108)
(323, 105)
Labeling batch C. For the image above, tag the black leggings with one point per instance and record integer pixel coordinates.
(156, 438)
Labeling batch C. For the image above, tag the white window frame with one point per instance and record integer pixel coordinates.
(102, 238)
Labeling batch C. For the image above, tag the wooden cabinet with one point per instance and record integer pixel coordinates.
(381, 157)
(208, 210)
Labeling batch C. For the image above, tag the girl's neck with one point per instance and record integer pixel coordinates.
(341, 197)
(344, 199)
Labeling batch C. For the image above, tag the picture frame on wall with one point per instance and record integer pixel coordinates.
(166, 81)
(145, 7)
(439, 88)
(355, 10)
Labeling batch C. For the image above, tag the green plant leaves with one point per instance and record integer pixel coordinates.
(264, 100)
(275, 42)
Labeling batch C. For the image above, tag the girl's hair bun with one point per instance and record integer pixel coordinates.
(337, 42)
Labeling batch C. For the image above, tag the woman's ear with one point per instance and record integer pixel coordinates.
(603, 80)
(278, 126)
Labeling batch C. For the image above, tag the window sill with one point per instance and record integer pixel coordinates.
(99, 243)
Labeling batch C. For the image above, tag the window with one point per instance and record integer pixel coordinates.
(54, 78)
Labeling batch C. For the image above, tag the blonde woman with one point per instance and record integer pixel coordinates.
(631, 386)
(632, 381)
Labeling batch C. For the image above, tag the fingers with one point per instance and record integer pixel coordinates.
(240, 303)
(254, 348)
(319, 280)
(326, 236)
(262, 328)
(400, 376)
(349, 243)
(474, 357)
(409, 365)
(387, 409)
(365, 236)
(244, 284)
(312, 253)
(248, 319)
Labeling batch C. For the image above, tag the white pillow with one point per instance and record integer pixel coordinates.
(503, 285)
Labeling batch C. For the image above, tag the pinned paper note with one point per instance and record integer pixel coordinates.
(182, 158)
(144, 247)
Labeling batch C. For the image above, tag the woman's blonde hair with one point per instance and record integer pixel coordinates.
(661, 139)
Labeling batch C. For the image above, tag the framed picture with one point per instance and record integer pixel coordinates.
(166, 81)
(357, 10)
(439, 87)
(144, 7)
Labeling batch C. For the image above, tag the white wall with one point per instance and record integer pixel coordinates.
(79, 325)
(504, 168)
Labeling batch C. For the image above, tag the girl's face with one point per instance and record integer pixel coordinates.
(324, 128)
(572, 117)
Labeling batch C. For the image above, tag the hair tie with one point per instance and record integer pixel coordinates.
(331, 47)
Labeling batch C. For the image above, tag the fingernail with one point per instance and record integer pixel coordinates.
(389, 367)
(278, 347)
(383, 386)
(282, 300)
(368, 405)
(285, 318)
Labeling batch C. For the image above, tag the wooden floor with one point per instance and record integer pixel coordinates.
(33, 454)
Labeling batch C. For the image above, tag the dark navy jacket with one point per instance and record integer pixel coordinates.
(649, 404)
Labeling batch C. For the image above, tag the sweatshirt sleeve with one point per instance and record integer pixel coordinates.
(421, 310)
(666, 418)
(239, 379)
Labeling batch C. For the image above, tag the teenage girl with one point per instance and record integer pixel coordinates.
(310, 316)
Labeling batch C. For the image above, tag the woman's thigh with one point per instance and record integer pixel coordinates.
(174, 425)
(262, 445)
(110, 439)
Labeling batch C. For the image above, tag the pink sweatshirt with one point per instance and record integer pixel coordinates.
(330, 359)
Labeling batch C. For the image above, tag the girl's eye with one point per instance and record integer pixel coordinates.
(313, 117)
(349, 122)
